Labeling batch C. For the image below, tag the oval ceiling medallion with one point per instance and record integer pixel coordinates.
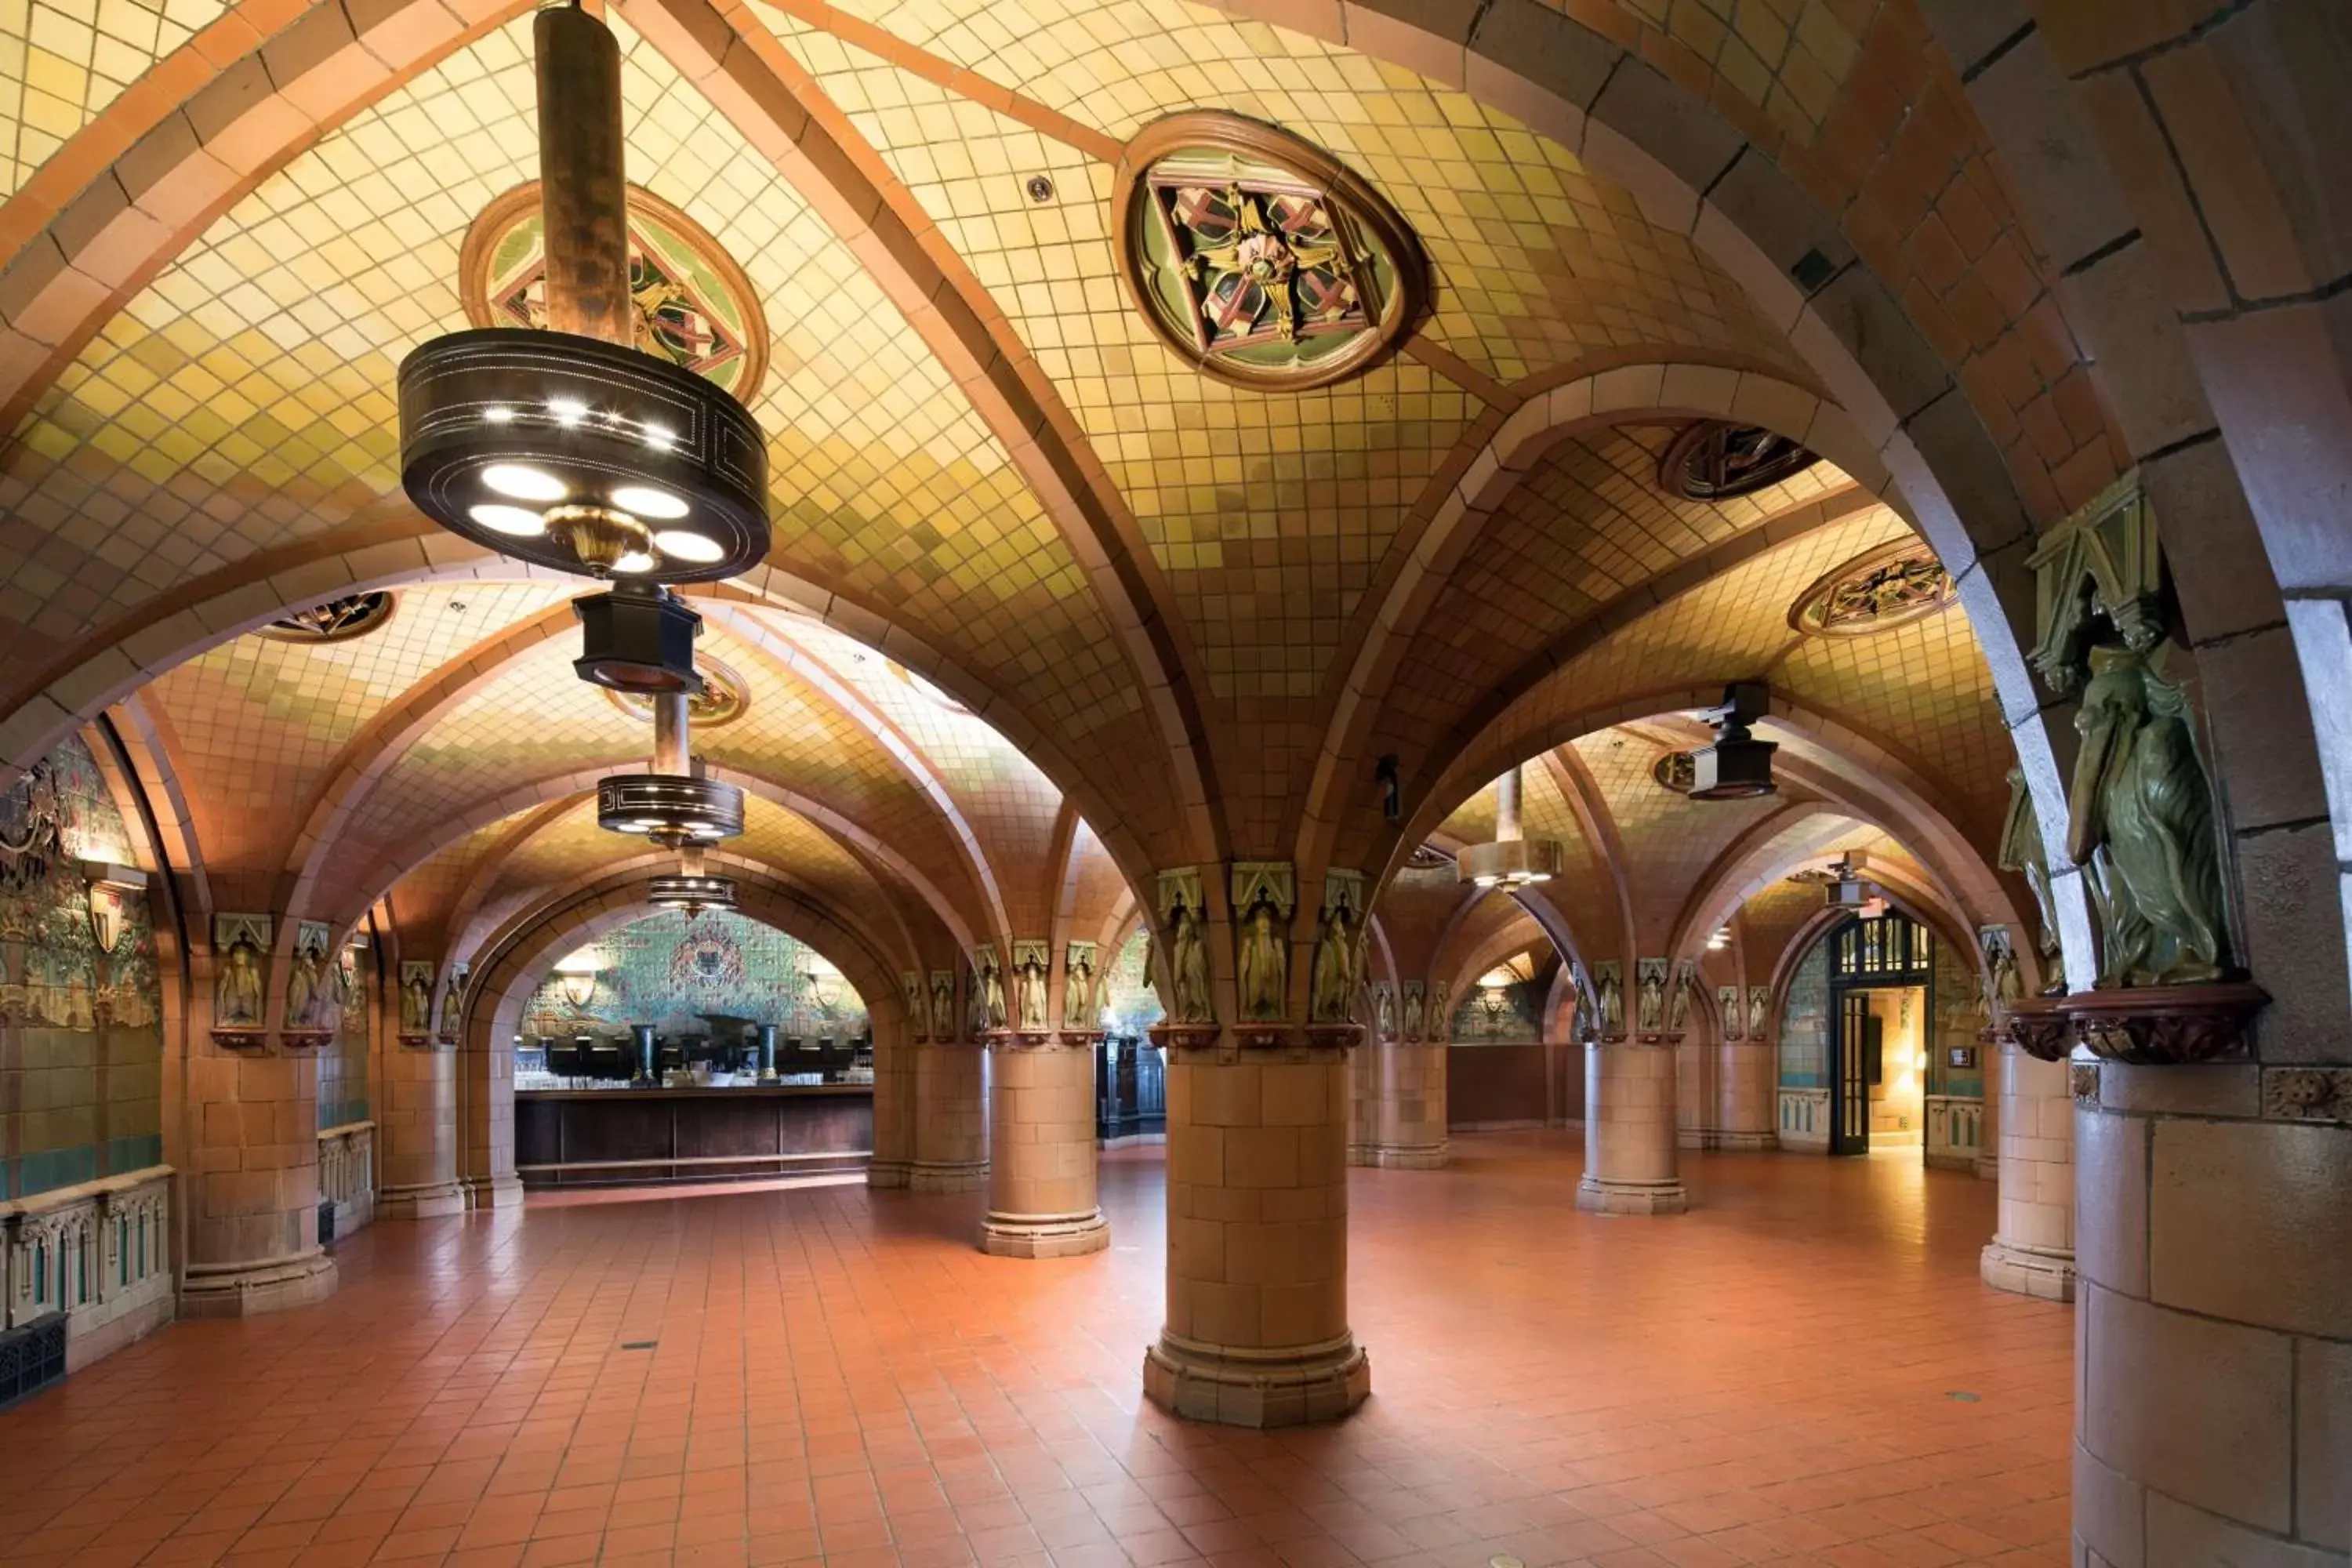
(1716, 460)
(337, 620)
(1889, 587)
(1675, 771)
(1259, 257)
(723, 699)
(694, 305)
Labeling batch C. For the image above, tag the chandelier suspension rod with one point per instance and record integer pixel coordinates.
(583, 181)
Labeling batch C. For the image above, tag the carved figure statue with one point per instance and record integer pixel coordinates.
(1440, 1024)
(1333, 981)
(990, 1015)
(1415, 1015)
(1079, 988)
(1678, 1003)
(1384, 1011)
(1188, 967)
(1265, 972)
(304, 1004)
(943, 1005)
(910, 996)
(2000, 981)
(1760, 1010)
(416, 1001)
(236, 995)
(2022, 851)
(1734, 1011)
(1650, 1016)
(453, 1000)
(1609, 999)
(2140, 818)
(1031, 983)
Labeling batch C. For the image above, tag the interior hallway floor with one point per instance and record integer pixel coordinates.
(1803, 1368)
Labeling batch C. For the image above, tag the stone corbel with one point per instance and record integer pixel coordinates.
(2164, 1025)
(2037, 1026)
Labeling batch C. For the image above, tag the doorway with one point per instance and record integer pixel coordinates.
(1882, 991)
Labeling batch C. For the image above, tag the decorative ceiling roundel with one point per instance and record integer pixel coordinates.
(722, 701)
(1259, 257)
(1675, 771)
(1716, 460)
(694, 305)
(337, 620)
(1881, 589)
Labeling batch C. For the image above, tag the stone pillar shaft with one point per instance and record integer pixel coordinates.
(950, 1145)
(416, 1134)
(2032, 1251)
(1257, 1327)
(1400, 1123)
(1041, 1195)
(1629, 1131)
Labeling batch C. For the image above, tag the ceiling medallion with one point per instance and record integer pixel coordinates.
(571, 434)
(1675, 771)
(693, 305)
(723, 699)
(1259, 257)
(337, 620)
(1716, 460)
(1890, 587)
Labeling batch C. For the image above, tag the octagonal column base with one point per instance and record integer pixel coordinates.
(1631, 1198)
(434, 1200)
(1287, 1387)
(249, 1290)
(947, 1175)
(1043, 1236)
(1400, 1156)
(2025, 1271)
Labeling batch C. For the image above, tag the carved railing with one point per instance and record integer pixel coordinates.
(100, 1253)
(1955, 1130)
(347, 1173)
(1804, 1118)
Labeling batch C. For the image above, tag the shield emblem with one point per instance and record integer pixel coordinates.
(106, 916)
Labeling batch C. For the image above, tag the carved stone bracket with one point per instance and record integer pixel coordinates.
(2164, 1026)
(305, 1040)
(1033, 1040)
(241, 1039)
(2082, 1082)
(1179, 1041)
(415, 1041)
(2039, 1029)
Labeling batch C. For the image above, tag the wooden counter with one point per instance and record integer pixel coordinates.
(606, 1137)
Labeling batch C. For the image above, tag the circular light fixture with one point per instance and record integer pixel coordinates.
(646, 501)
(520, 481)
(1509, 862)
(683, 544)
(514, 521)
(692, 894)
(671, 809)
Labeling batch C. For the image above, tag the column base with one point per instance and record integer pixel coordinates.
(890, 1174)
(1043, 1236)
(249, 1290)
(1288, 1387)
(2022, 1271)
(434, 1200)
(493, 1191)
(1400, 1156)
(936, 1176)
(1631, 1198)
(1989, 1167)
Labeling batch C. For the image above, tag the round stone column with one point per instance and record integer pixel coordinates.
(894, 1112)
(2032, 1251)
(1257, 1327)
(951, 1119)
(1748, 1095)
(1403, 1117)
(416, 1133)
(1041, 1195)
(1629, 1165)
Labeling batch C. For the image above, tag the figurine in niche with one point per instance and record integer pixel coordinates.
(1078, 989)
(1188, 967)
(1266, 961)
(1678, 1008)
(910, 997)
(2140, 818)
(236, 997)
(1032, 987)
(1760, 1010)
(1608, 1001)
(2022, 851)
(990, 1013)
(1334, 978)
(304, 1003)
(1652, 1004)
(415, 1002)
(1441, 1013)
(1384, 1011)
(453, 1001)
(1415, 1015)
(942, 1006)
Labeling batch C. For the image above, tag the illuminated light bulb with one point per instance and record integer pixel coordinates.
(680, 544)
(520, 481)
(1487, 881)
(499, 415)
(515, 522)
(646, 501)
(633, 562)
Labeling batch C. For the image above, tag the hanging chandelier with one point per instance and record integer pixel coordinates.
(672, 806)
(569, 447)
(1737, 766)
(693, 890)
(1513, 860)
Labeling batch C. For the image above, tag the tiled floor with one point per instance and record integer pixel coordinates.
(1803, 1369)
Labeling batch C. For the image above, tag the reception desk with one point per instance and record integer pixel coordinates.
(610, 1137)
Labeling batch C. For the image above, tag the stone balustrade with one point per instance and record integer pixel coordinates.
(1805, 1121)
(100, 1252)
(347, 1173)
(1954, 1131)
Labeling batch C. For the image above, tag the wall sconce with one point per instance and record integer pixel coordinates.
(577, 978)
(112, 888)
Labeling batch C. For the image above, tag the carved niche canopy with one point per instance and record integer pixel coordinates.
(1714, 459)
(1878, 591)
(337, 620)
(693, 304)
(2099, 565)
(1259, 257)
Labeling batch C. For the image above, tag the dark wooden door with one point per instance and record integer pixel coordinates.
(1857, 1050)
